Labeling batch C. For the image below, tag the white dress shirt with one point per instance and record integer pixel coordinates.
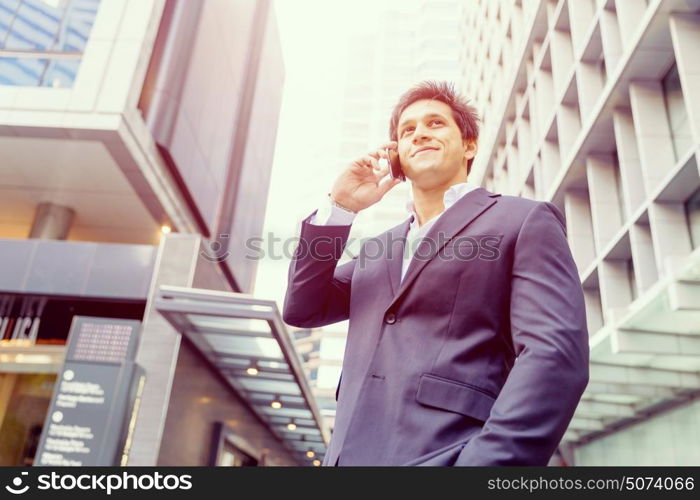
(331, 215)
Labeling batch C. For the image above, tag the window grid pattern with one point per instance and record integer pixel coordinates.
(582, 106)
(42, 41)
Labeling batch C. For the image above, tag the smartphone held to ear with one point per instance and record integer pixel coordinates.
(395, 165)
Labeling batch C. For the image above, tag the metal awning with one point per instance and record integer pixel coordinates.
(649, 359)
(247, 341)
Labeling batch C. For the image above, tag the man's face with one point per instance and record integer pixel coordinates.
(431, 148)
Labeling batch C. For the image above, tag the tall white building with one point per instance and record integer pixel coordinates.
(438, 36)
(594, 105)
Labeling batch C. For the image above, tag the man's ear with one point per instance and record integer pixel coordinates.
(470, 148)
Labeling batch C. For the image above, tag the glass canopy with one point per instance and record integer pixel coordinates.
(247, 341)
(648, 359)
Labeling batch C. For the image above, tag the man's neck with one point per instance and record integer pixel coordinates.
(429, 203)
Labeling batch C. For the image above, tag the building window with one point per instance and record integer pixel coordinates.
(42, 41)
(692, 210)
(677, 114)
(24, 401)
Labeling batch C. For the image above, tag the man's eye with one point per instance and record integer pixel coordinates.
(406, 130)
(439, 122)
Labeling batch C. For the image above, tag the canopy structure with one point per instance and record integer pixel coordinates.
(648, 359)
(245, 339)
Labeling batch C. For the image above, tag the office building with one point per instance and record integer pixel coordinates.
(594, 106)
(136, 142)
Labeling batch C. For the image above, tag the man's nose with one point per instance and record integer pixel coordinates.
(420, 134)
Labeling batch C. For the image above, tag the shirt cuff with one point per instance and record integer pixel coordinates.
(331, 215)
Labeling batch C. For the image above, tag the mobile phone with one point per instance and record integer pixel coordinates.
(395, 165)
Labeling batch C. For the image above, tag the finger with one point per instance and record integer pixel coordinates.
(365, 164)
(383, 164)
(381, 172)
(379, 154)
(382, 151)
(370, 161)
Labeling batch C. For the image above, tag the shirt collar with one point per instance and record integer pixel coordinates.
(454, 193)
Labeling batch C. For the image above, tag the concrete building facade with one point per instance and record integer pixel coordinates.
(594, 105)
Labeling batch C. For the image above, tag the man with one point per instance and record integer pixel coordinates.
(467, 342)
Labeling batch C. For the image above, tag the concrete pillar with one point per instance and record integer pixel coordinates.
(159, 346)
(615, 289)
(669, 230)
(569, 126)
(643, 256)
(581, 15)
(611, 40)
(51, 222)
(629, 16)
(579, 229)
(656, 154)
(628, 159)
(605, 201)
(685, 33)
(594, 312)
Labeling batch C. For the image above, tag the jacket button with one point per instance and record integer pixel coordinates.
(390, 318)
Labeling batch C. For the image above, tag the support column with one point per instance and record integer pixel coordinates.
(159, 346)
(615, 290)
(629, 16)
(579, 228)
(633, 189)
(669, 230)
(605, 202)
(685, 34)
(51, 222)
(653, 134)
(611, 39)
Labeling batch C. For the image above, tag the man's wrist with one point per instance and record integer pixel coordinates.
(342, 207)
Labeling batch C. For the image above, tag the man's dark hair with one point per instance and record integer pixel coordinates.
(464, 114)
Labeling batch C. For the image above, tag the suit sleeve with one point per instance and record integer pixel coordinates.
(548, 327)
(318, 289)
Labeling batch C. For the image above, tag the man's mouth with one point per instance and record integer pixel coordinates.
(423, 150)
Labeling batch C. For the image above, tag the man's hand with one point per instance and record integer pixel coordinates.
(360, 185)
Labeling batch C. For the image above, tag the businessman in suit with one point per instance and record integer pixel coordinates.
(467, 341)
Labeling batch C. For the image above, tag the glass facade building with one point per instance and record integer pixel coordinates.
(42, 41)
(136, 142)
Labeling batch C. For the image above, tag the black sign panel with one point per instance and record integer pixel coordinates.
(88, 413)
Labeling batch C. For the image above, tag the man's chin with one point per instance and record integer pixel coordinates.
(419, 170)
(426, 178)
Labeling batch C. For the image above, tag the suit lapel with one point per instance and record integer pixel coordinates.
(453, 220)
(396, 244)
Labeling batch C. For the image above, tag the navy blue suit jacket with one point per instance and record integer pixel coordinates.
(479, 356)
